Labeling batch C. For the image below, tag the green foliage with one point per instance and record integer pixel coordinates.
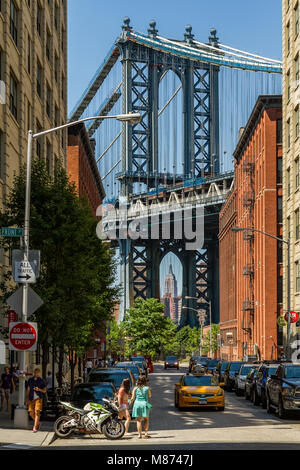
(147, 329)
(215, 329)
(188, 339)
(116, 334)
(77, 270)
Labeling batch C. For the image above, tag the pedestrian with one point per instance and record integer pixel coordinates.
(49, 381)
(89, 366)
(7, 386)
(123, 397)
(36, 388)
(141, 405)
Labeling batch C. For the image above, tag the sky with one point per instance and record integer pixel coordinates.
(93, 26)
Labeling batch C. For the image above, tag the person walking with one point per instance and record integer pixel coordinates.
(36, 388)
(7, 386)
(123, 397)
(141, 405)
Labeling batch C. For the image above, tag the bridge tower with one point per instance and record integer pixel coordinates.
(143, 68)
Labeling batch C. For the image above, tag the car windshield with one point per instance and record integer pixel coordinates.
(292, 372)
(245, 369)
(271, 371)
(235, 366)
(93, 393)
(115, 378)
(223, 366)
(212, 363)
(134, 369)
(171, 358)
(194, 381)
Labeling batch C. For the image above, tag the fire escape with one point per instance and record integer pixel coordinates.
(248, 236)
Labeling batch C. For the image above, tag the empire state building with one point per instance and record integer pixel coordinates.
(170, 299)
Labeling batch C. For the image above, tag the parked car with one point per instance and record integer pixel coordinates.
(202, 361)
(211, 365)
(141, 362)
(259, 392)
(229, 374)
(283, 390)
(172, 361)
(193, 360)
(92, 392)
(133, 366)
(240, 378)
(219, 372)
(116, 376)
(250, 383)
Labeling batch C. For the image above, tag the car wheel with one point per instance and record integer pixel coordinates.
(221, 408)
(256, 400)
(281, 410)
(237, 392)
(175, 401)
(269, 407)
(180, 408)
(247, 396)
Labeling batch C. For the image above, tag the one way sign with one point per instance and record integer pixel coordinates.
(24, 272)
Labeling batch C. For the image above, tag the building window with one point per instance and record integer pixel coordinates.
(56, 16)
(279, 170)
(13, 96)
(279, 131)
(48, 45)
(288, 85)
(288, 177)
(39, 19)
(28, 114)
(39, 79)
(297, 121)
(288, 132)
(48, 156)
(48, 101)
(13, 21)
(297, 70)
(56, 116)
(297, 271)
(288, 41)
(279, 209)
(297, 224)
(56, 69)
(289, 228)
(28, 54)
(38, 141)
(62, 39)
(1, 154)
(63, 87)
(297, 19)
(297, 173)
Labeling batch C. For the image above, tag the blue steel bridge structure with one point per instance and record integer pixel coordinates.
(193, 98)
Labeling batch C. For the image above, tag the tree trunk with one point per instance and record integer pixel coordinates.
(72, 368)
(45, 358)
(80, 366)
(60, 366)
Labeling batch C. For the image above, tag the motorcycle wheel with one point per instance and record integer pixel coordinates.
(113, 429)
(58, 427)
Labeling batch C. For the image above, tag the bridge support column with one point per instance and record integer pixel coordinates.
(153, 254)
(126, 296)
(213, 279)
(189, 317)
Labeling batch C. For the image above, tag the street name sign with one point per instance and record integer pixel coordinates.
(15, 301)
(11, 232)
(23, 336)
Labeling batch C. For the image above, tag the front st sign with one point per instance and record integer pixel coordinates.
(24, 272)
(23, 336)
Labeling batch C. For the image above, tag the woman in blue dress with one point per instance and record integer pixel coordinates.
(141, 405)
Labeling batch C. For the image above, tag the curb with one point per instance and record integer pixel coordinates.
(51, 437)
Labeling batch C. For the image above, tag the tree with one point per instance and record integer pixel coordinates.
(116, 335)
(77, 269)
(215, 329)
(147, 329)
(189, 339)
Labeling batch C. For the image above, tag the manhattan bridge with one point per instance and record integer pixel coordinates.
(193, 98)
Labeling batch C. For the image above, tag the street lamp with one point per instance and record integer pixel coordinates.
(210, 323)
(21, 417)
(288, 243)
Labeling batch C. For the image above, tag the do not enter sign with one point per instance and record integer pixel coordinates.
(22, 336)
(294, 317)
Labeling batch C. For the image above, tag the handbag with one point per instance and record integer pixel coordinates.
(148, 406)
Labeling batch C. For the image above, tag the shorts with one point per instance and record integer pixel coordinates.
(35, 405)
(5, 392)
(124, 406)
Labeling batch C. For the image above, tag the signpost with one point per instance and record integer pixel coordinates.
(11, 232)
(22, 336)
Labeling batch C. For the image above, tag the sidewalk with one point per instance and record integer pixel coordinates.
(11, 438)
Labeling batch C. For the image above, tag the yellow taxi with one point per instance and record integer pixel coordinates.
(200, 391)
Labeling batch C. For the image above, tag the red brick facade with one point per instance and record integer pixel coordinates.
(257, 259)
(82, 168)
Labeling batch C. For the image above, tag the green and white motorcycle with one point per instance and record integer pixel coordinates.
(94, 417)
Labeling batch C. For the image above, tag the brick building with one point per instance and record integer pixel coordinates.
(251, 263)
(82, 167)
(227, 260)
(258, 185)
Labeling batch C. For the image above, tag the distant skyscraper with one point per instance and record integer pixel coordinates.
(170, 299)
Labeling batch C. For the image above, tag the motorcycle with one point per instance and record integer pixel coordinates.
(103, 419)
